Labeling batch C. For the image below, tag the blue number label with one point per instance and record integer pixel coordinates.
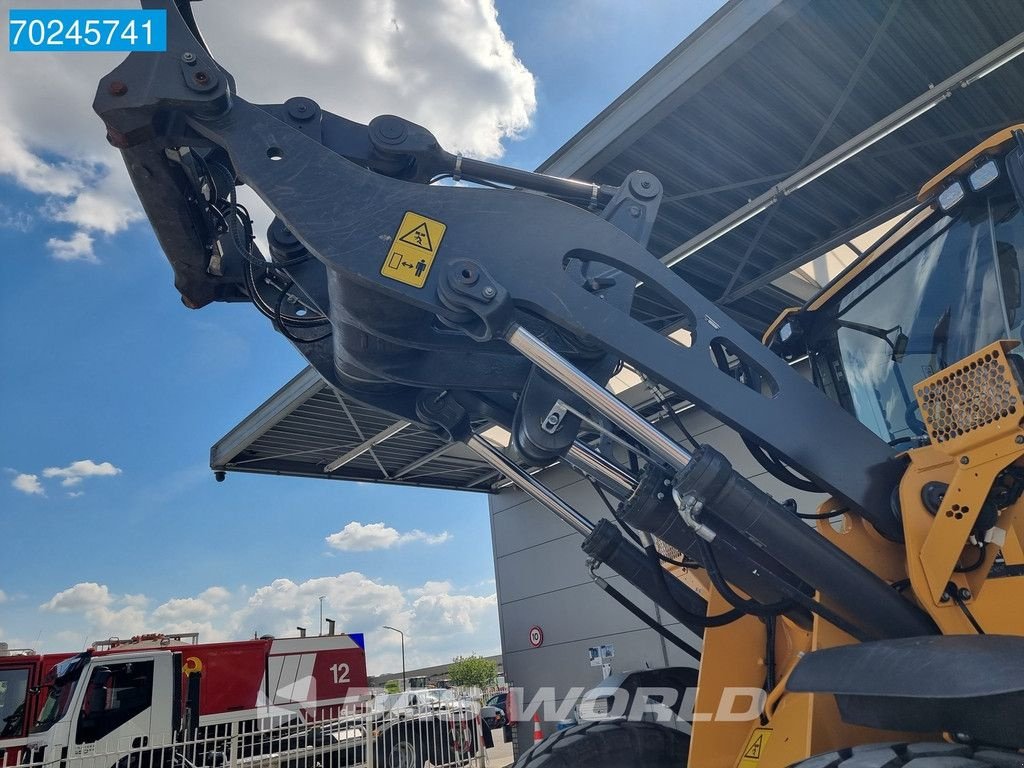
(86, 30)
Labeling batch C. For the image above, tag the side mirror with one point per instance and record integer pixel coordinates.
(899, 347)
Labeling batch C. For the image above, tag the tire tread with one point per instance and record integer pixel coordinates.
(600, 744)
(928, 754)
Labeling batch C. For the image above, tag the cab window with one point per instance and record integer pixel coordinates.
(13, 694)
(116, 693)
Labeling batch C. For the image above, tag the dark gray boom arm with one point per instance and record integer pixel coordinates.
(433, 338)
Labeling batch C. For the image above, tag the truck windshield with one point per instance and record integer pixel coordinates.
(952, 286)
(60, 688)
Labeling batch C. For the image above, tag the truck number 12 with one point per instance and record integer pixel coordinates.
(340, 672)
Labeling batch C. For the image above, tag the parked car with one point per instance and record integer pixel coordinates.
(431, 724)
(495, 712)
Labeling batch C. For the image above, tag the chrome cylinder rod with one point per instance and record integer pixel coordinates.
(528, 484)
(599, 398)
(590, 462)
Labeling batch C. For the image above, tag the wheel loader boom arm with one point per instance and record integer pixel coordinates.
(407, 317)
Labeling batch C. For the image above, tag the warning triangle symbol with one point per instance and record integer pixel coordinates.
(419, 236)
(754, 750)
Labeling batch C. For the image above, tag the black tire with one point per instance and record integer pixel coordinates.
(918, 755)
(612, 744)
(400, 750)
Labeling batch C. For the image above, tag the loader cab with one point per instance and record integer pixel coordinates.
(945, 283)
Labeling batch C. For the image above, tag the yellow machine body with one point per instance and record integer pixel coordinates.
(973, 411)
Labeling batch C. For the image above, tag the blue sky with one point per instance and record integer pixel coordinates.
(112, 392)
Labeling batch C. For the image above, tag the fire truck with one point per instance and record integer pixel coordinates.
(166, 699)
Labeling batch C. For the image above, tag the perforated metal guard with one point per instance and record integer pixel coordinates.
(978, 391)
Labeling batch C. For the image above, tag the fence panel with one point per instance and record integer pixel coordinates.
(441, 732)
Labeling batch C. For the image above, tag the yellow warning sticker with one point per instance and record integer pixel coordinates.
(755, 747)
(413, 249)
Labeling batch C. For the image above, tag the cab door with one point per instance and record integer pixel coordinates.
(125, 706)
(16, 707)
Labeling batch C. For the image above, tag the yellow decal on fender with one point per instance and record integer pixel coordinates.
(755, 747)
(413, 249)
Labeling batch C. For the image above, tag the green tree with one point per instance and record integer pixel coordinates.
(392, 686)
(472, 671)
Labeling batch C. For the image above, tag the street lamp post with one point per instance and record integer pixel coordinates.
(400, 632)
(322, 614)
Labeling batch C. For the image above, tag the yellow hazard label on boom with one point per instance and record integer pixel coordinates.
(755, 747)
(413, 249)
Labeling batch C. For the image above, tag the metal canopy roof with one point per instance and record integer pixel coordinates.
(797, 80)
(780, 129)
(307, 427)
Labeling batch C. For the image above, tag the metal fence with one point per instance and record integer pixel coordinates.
(413, 735)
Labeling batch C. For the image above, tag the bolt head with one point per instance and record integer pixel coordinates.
(117, 88)
(391, 129)
(467, 275)
(489, 292)
(964, 460)
(965, 593)
(188, 57)
(1019, 439)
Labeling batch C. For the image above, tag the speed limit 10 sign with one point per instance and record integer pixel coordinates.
(536, 637)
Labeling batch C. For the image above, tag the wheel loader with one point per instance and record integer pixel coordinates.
(885, 627)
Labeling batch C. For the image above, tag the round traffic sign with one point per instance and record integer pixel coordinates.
(536, 637)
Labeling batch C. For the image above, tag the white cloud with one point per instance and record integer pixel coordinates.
(78, 247)
(182, 608)
(107, 615)
(29, 484)
(442, 613)
(108, 206)
(215, 595)
(33, 173)
(191, 614)
(3, 596)
(440, 621)
(76, 471)
(356, 537)
(445, 64)
(84, 596)
(17, 220)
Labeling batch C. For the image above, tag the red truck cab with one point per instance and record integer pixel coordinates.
(145, 692)
(22, 674)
